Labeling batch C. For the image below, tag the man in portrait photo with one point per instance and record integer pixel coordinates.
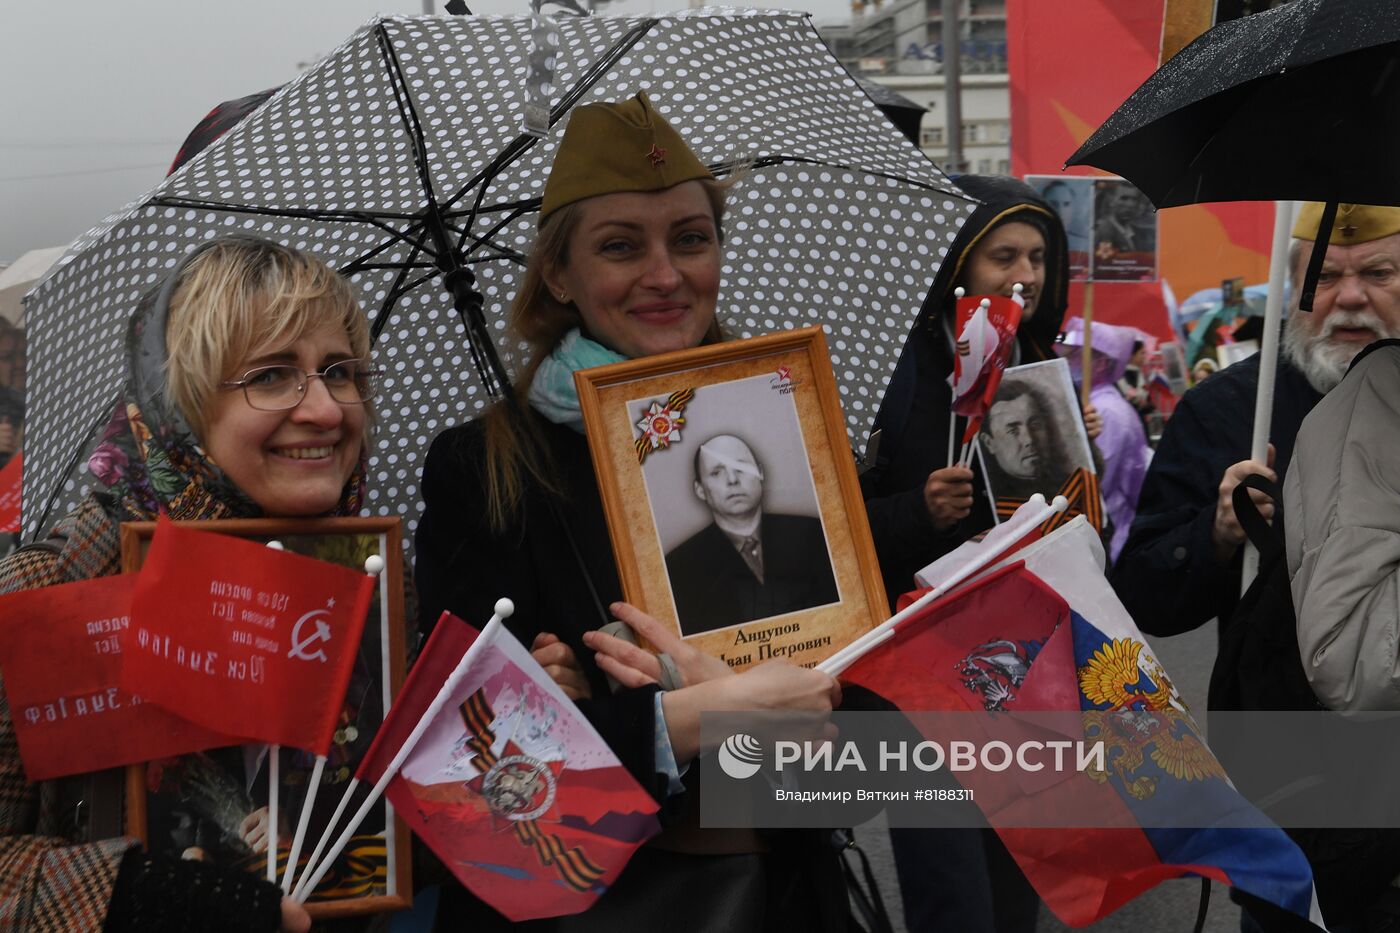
(1023, 452)
(746, 564)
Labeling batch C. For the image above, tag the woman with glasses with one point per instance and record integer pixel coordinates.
(249, 393)
(626, 264)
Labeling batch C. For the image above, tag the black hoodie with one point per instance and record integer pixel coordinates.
(913, 419)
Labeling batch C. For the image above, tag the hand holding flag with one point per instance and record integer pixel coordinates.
(502, 777)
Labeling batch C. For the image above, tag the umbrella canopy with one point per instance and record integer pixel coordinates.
(399, 160)
(1293, 104)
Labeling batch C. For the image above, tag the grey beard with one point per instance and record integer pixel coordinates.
(1321, 362)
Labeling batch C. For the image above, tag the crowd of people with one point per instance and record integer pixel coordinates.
(250, 392)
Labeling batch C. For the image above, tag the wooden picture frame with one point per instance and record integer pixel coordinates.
(674, 537)
(168, 816)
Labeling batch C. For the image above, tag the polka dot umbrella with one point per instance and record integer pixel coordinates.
(399, 159)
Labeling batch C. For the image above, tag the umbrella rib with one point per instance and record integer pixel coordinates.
(458, 279)
(298, 213)
(382, 318)
(355, 265)
(522, 143)
(407, 113)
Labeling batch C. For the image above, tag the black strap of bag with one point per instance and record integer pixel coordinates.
(865, 897)
(1260, 533)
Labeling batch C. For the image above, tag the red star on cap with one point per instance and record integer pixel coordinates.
(657, 155)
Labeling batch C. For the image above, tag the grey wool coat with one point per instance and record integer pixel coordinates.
(1342, 496)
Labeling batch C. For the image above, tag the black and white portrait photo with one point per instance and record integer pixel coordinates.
(735, 507)
(1072, 199)
(1033, 439)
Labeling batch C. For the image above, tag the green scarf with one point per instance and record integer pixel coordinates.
(553, 393)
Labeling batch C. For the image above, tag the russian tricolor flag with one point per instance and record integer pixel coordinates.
(1044, 631)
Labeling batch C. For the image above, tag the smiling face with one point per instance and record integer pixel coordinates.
(728, 478)
(296, 462)
(1013, 252)
(643, 269)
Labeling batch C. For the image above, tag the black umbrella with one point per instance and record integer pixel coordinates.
(902, 111)
(1295, 103)
(1291, 104)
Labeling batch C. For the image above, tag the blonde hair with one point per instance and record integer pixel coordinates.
(241, 294)
(515, 451)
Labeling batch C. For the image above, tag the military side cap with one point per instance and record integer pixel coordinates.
(1356, 223)
(613, 147)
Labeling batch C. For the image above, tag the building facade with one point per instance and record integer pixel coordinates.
(899, 44)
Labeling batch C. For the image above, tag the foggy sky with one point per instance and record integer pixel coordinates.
(98, 95)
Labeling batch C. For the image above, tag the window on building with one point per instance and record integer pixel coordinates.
(932, 136)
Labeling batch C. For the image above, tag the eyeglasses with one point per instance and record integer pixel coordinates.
(282, 388)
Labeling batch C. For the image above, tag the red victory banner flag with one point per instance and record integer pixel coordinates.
(243, 638)
(509, 784)
(60, 653)
(9, 495)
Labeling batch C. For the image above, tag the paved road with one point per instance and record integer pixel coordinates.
(1170, 907)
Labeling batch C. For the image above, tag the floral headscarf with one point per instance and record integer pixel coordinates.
(149, 457)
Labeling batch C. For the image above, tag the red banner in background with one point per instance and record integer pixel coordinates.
(60, 653)
(10, 495)
(245, 639)
(1071, 65)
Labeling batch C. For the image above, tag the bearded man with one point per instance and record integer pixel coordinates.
(1181, 564)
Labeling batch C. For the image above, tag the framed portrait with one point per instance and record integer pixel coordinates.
(213, 805)
(731, 497)
(1072, 198)
(1125, 233)
(1033, 438)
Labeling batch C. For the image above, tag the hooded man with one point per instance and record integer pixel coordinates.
(1181, 565)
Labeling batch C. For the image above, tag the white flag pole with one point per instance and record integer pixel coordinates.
(374, 566)
(504, 609)
(848, 655)
(274, 786)
(1268, 361)
(958, 293)
(327, 834)
(315, 784)
(274, 780)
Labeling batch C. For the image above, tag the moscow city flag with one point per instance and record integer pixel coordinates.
(245, 639)
(1046, 633)
(510, 785)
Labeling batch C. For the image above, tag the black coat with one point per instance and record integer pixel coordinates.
(557, 566)
(913, 418)
(714, 587)
(463, 567)
(1167, 576)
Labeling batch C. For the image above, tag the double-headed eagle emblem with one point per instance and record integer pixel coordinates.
(1144, 718)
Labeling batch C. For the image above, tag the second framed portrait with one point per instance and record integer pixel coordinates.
(214, 806)
(731, 497)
